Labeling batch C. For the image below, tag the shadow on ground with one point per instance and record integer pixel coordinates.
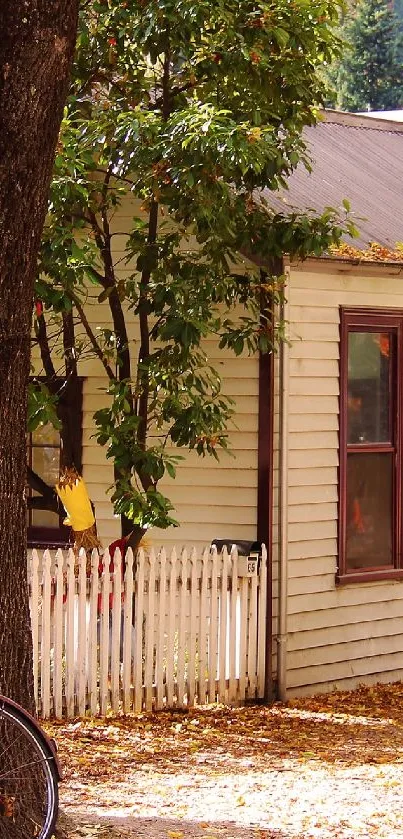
(131, 827)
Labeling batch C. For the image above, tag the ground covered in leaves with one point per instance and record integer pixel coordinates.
(328, 767)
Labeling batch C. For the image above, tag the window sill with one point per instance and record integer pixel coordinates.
(370, 576)
(49, 544)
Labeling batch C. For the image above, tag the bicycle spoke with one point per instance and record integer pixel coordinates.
(38, 762)
(11, 745)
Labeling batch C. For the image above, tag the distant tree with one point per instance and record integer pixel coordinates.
(369, 76)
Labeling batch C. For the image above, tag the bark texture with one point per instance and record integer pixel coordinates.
(36, 48)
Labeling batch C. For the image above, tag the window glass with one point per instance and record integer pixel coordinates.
(44, 458)
(368, 396)
(369, 540)
(44, 518)
(45, 462)
(46, 435)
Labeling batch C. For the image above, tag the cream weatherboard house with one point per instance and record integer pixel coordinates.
(317, 442)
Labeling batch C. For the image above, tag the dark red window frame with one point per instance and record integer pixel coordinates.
(372, 320)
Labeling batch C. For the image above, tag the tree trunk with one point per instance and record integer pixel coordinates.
(36, 48)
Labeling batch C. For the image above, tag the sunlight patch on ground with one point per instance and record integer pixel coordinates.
(333, 717)
(304, 800)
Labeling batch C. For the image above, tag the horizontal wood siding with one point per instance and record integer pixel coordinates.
(338, 636)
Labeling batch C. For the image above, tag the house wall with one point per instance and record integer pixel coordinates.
(338, 635)
(212, 500)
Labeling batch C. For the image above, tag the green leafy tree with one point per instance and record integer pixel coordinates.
(369, 76)
(186, 109)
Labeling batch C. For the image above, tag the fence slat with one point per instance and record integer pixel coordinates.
(234, 626)
(252, 639)
(35, 621)
(45, 634)
(116, 629)
(138, 633)
(212, 660)
(104, 636)
(243, 636)
(182, 632)
(58, 636)
(171, 629)
(149, 640)
(70, 635)
(203, 627)
(223, 631)
(128, 621)
(262, 629)
(93, 634)
(81, 633)
(193, 629)
(161, 648)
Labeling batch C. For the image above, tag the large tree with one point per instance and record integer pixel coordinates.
(187, 109)
(36, 47)
(369, 76)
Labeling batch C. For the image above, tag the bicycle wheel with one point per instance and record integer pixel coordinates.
(28, 777)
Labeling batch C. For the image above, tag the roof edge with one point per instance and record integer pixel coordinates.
(350, 260)
(360, 121)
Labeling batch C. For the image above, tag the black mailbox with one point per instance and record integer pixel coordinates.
(249, 554)
(243, 547)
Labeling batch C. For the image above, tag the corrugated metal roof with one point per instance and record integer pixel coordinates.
(358, 158)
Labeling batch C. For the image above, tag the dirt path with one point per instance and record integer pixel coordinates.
(325, 768)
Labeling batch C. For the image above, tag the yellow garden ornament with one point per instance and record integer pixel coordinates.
(73, 494)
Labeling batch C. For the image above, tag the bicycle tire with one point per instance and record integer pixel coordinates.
(29, 775)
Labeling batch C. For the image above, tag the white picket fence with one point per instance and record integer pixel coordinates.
(173, 632)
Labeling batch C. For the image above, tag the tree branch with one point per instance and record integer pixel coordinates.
(47, 499)
(43, 343)
(144, 352)
(103, 238)
(69, 343)
(97, 349)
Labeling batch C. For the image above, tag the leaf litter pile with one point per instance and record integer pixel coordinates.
(326, 767)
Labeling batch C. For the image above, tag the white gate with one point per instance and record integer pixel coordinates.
(171, 631)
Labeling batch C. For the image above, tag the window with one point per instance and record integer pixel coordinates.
(46, 448)
(45, 527)
(371, 417)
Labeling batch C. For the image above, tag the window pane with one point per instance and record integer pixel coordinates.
(369, 540)
(44, 518)
(368, 406)
(46, 435)
(45, 462)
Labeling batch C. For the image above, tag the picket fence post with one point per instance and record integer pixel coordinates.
(58, 636)
(128, 620)
(138, 633)
(161, 606)
(34, 604)
(171, 630)
(193, 629)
